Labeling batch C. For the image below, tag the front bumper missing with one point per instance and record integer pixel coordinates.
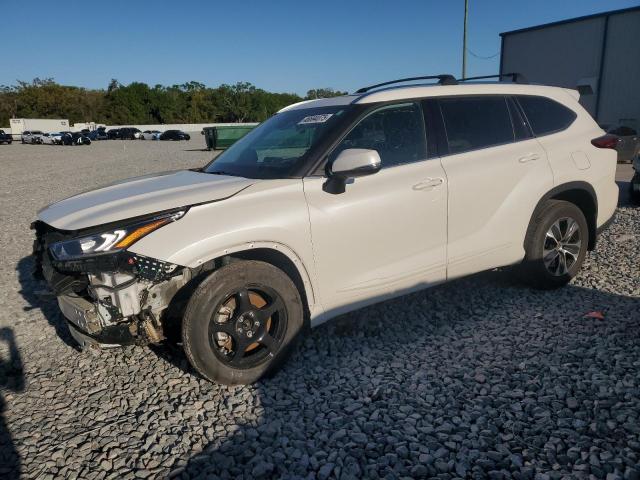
(110, 299)
(86, 326)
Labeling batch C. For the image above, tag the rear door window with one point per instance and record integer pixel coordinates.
(478, 122)
(545, 116)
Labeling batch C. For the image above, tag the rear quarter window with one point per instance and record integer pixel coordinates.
(545, 116)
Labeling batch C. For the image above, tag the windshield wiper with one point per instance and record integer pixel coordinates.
(221, 172)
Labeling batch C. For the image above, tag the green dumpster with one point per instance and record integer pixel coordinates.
(221, 137)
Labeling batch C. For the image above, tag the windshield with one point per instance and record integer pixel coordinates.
(275, 148)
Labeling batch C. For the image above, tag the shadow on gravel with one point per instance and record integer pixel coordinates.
(48, 307)
(11, 380)
(478, 378)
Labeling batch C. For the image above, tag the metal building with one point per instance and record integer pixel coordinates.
(598, 53)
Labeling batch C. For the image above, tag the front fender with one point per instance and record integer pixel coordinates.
(270, 214)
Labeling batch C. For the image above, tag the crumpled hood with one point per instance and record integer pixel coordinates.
(140, 196)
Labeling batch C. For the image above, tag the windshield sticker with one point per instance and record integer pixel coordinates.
(315, 119)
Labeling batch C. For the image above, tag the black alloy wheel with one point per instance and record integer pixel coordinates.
(241, 322)
(248, 327)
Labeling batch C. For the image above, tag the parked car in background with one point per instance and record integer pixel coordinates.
(98, 134)
(329, 206)
(130, 133)
(175, 135)
(57, 138)
(635, 181)
(151, 135)
(75, 138)
(50, 138)
(5, 138)
(113, 133)
(628, 142)
(31, 136)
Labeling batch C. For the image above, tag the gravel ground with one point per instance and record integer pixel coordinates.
(479, 378)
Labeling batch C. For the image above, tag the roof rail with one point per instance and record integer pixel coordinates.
(515, 77)
(444, 79)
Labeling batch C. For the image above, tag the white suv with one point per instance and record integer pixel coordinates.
(31, 136)
(328, 206)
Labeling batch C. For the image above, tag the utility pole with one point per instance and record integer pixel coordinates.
(464, 40)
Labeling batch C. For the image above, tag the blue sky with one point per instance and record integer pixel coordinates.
(280, 46)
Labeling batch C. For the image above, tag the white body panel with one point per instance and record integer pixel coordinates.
(492, 194)
(140, 196)
(268, 214)
(405, 206)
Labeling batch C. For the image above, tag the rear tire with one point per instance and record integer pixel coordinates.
(555, 245)
(242, 322)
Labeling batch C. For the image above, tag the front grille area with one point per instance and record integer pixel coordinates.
(152, 269)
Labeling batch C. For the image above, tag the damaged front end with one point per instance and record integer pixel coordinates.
(108, 295)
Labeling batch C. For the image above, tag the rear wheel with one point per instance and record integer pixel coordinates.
(556, 245)
(241, 322)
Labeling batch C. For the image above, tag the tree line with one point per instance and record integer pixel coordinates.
(139, 103)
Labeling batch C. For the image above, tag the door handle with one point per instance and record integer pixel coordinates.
(428, 184)
(529, 158)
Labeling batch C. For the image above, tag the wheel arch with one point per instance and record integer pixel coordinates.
(278, 255)
(582, 195)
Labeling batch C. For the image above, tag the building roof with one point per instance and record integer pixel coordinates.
(572, 20)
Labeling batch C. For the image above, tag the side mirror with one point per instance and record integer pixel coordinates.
(351, 163)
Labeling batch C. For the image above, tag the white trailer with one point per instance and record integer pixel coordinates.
(19, 125)
(91, 126)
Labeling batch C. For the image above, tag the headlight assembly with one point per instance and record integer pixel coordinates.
(111, 240)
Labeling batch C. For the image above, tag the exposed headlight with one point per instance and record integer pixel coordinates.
(111, 240)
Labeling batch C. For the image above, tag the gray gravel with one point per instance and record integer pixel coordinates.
(479, 378)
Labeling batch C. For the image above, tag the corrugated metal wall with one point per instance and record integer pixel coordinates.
(558, 55)
(566, 53)
(620, 90)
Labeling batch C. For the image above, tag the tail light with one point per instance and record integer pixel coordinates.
(605, 141)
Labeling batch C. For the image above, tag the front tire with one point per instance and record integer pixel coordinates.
(555, 246)
(242, 322)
